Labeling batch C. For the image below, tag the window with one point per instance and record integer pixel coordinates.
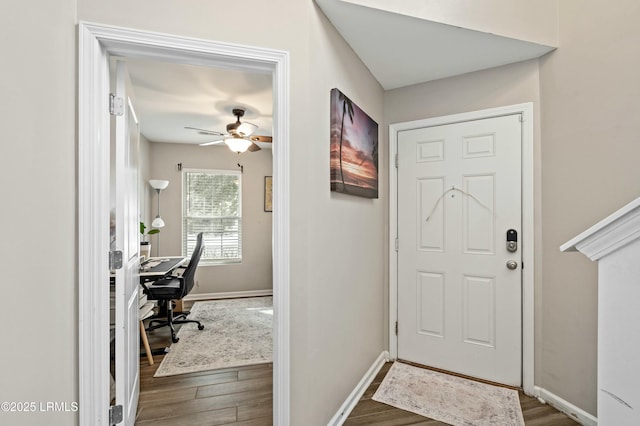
(212, 203)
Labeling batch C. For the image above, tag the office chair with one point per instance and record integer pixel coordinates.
(170, 288)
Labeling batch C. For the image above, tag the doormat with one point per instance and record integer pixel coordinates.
(237, 332)
(449, 399)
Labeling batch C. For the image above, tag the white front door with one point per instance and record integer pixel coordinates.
(459, 192)
(125, 173)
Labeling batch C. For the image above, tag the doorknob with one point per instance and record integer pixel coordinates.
(512, 264)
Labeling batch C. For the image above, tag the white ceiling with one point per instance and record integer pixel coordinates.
(170, 96)
(401, 50)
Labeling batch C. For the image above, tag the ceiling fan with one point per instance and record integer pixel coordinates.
(238, 137)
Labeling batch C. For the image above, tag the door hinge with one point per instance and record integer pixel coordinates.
(116, 105)
(115, 414)
(396, 161)
(397, 244)
(522, 118)
(115, 260)
(396, 328)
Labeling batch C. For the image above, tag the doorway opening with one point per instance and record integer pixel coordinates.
(97, 43)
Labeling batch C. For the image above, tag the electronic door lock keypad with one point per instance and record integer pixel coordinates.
(512, 240)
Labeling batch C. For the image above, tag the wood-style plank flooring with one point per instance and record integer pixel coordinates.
(243, 396)
(370, 412)
(231, 396)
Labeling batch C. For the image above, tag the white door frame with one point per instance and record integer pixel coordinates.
(96, 43)
(527, 245)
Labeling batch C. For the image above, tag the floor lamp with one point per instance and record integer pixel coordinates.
(158, 185)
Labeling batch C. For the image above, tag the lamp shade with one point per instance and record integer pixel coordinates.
(157, 222)
(238, 145)
(158, 184)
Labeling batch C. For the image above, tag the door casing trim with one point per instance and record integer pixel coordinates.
(526, 110)
(96, 43)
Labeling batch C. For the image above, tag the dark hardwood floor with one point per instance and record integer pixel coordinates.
(244, 396)
(231, 396)
(370, 412)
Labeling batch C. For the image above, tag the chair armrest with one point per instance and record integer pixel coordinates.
(145, 288)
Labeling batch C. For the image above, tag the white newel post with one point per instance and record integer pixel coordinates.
(615, 243)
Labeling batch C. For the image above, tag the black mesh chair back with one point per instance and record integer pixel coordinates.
(190, 272)
(172, 287)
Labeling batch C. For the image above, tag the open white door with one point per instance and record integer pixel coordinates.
(459, 282)
(125, 169)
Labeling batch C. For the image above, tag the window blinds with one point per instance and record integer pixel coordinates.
(212, 204)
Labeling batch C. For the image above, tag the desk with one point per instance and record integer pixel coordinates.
(157, 267)
(150, 270)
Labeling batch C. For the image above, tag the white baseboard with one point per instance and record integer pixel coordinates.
(227, 295)
(349, 404)
(576, 413)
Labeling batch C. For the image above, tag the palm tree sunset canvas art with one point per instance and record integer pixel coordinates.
(354, 148)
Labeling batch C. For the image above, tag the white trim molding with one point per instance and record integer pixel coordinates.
(97, 43)
(576, 413)
(526, 111)
(93, 224)
(610, 234)
(352, 400)
(194, 297)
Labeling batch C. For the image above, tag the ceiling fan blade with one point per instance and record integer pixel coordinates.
(205, 131)
(245, 128)
(253, 147)
(258, 138)
(211, 142)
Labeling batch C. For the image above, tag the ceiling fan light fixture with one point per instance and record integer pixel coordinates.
(238, 145)
(246, 129)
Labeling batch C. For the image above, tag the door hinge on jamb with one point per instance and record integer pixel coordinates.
(396, 160)
(396, 328)
(115, 414)
(522, 118)
(115, 260)
(116, 105)
(397, 244)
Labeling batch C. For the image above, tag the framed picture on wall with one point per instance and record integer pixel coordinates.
(268, 193)
(354, 148)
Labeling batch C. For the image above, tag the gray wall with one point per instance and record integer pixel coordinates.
(336, 241)
(39, 356)
(590, 151)
(255, 271)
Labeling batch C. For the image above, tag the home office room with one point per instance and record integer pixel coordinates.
(205, 208)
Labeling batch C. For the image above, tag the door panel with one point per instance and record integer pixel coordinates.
(126, 145)
(478, 311)
(430, 304)
(477, 214)
(432, 229)
(459, 191)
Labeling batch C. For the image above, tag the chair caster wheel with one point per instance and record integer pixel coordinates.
(200, 327)
(175, 339)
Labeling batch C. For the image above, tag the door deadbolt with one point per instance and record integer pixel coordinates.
(512, 264)
(512, 241)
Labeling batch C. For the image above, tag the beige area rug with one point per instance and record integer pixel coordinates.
(449, 399)
(236, 332)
